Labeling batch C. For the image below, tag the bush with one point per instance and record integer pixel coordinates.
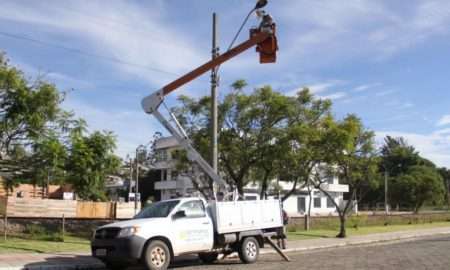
(39, 232)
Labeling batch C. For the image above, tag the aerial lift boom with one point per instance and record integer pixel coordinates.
(265, 41)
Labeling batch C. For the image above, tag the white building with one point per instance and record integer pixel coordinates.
(170, 185)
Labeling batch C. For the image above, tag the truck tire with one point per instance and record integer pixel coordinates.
(208, 257)
(157, 255)
(249, 250)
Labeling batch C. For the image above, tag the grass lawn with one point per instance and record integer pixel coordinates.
(300, 235)
(20, 245)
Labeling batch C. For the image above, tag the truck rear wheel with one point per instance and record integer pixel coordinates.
(208, 257)
(157, 256)
(249, 250)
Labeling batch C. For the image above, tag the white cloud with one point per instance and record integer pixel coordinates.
(434, 146)
(406, 105)
(385, 93)
(335, 96)
(445, 120)
(365, 87)
(316, 88)
(119, 30)
(360, 28)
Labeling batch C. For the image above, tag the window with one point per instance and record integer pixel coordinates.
(161, 155)
(193, 209)
(301, 204)
(157, 210)
(318, 202)
(330, 203)
(330, 179)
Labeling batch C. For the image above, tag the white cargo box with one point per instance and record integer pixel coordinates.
(246, 215)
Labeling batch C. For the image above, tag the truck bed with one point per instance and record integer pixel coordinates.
(240, 216)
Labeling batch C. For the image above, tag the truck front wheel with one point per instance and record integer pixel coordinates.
(249, 250)
(157, 256)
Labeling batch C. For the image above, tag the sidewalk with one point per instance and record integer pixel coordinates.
(84, 261)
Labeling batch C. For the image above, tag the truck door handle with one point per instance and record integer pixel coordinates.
(205, 223)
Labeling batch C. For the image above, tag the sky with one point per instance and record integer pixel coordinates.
(386, 61)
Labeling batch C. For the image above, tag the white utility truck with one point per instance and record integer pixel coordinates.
(171, 228)
(192, 225)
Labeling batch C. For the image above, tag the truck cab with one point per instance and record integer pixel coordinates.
(183, 225)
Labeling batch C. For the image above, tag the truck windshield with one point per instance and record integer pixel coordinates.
(157, 210)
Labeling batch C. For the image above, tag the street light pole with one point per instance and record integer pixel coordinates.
(386, 205)
(136, 183)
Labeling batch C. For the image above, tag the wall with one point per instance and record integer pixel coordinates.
(80, 227)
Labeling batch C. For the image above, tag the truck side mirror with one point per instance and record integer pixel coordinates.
(179, 214)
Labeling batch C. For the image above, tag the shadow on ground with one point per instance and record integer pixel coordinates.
(66, 262)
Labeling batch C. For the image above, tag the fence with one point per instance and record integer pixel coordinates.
(332, 222)
(48, 208)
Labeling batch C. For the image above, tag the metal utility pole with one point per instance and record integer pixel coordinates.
(131, 178)
(136, 184)
(214, 86)
(386, 206)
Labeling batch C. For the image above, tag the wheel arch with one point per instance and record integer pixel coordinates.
(258, 234)
(160, 238)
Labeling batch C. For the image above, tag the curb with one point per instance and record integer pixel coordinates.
(358, 242)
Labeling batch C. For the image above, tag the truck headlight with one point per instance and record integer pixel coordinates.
(128, 231)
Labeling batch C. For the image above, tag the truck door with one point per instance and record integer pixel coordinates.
(193, 232)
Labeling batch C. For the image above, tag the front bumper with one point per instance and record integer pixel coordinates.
(128, 249)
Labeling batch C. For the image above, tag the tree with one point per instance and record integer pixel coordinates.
(248, 126)
(445, 174)
(26, 108)
(303, 139)
(418, 185)
(403, 165)
(90, 160)
(48, 162)
(350, 155)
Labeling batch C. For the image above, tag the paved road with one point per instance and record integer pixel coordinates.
(429, 253)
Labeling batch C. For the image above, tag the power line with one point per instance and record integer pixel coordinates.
(81, 52)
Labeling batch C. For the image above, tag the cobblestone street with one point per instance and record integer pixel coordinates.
(430, 253)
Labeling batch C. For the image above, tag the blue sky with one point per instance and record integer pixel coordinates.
(386, 61)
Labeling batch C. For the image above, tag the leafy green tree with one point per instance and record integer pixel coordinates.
(418, 185)
(398, 156)
(400, 160)
(249, 126)
(26, 108)
(90, 160)
(302, 140)
(48, 161)
(350, 155)
(445, 174)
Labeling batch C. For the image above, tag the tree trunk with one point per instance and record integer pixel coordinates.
(308, 215)
(342, 231)
(263, 194)
(290, 192)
